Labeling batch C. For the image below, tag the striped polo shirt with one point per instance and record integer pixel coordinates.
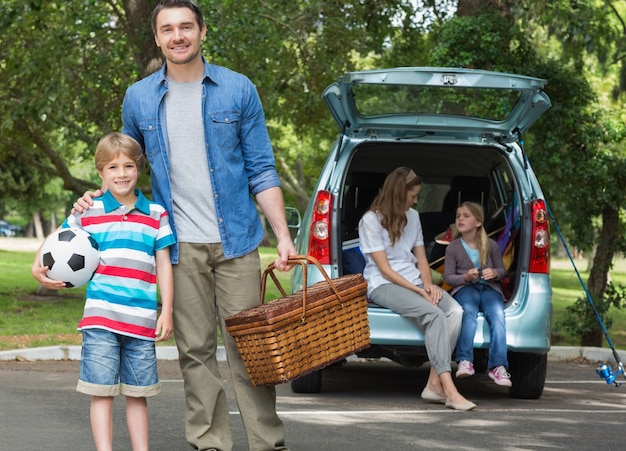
(122, 295)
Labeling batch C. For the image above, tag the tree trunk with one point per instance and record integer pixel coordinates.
(38, 226)
(139, 31)
(599, 273)
(53, 221)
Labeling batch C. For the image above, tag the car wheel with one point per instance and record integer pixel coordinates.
(309, 383)
(528, 374)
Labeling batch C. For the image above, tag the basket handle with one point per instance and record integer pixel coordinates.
(302, 260)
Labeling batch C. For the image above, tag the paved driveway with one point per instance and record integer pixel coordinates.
(363, 406)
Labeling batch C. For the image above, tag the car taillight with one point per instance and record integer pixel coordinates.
(319, 238)
(540, 245)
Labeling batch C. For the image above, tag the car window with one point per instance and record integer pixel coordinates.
(431, 197)
(487, 103)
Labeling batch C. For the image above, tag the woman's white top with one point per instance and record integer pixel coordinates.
(373, 237)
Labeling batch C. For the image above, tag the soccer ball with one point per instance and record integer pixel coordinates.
(71, 256)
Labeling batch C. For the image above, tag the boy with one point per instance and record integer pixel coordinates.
(119, 323)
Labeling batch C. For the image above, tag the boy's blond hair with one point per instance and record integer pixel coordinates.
(111, 145)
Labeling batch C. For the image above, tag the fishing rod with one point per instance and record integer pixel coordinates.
(605, 371)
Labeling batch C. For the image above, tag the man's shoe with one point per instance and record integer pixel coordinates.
(500, 376)
(465, 369)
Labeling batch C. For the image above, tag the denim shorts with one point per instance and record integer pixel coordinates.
(113, 364)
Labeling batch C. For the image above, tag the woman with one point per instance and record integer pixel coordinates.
(399, 278)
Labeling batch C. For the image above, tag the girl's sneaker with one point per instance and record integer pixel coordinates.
(465, 369)
(500, 376)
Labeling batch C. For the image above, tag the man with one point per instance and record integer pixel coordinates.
(203, 130)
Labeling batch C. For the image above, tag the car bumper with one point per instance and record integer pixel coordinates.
(528, 318)
(528, 322)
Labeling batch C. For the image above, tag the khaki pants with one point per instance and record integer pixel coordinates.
(207, 289)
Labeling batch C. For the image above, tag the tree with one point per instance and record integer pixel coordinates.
(591, 37)
(58, 101)
(292, 51)
(578, 142)
(54, 108)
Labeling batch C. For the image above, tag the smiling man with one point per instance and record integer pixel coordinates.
(203, 130)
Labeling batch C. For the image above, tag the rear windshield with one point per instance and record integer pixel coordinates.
(385, 99)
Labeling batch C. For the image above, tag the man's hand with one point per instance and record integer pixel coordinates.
(83, 203)
(285, 248)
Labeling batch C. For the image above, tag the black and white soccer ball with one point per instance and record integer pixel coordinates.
(71, 255)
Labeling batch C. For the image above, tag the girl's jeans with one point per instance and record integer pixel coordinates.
(480, 297)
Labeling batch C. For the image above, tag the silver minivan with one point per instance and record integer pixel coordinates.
(462, 132)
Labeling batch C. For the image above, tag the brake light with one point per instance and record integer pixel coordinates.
(319, 237)
(540, 246)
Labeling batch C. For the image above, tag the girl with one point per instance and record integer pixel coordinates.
(399, 278)
(473, 267)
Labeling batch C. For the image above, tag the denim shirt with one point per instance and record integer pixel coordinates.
(239, 152)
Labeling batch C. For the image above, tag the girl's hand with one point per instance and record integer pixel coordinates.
(489, 273)
(472, 275)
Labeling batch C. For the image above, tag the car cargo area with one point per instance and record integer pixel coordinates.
(450, 175)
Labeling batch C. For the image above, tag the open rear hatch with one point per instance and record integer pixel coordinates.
(413, 102)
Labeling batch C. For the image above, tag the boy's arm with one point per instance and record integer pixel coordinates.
(165, 279)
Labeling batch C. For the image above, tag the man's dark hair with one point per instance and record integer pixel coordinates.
(165, 4)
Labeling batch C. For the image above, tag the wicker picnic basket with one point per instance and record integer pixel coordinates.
(304, 331)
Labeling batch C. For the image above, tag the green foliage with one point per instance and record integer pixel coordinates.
(65, 91)
(486, 41)
(574, 147)
(580, 319)
(62, 95)
(292, 51)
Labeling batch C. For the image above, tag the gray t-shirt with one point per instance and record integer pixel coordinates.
(192, 193)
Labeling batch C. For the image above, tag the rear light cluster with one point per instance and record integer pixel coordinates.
(540, 246)
(319, 237)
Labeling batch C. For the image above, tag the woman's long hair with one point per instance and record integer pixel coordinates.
(482, 240)
(390, 202)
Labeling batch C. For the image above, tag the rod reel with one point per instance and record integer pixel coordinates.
(606, 372)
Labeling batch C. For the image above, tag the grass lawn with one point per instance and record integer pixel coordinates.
(28, 320)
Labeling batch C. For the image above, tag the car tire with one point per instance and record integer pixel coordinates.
(528, 374)
(309, 383)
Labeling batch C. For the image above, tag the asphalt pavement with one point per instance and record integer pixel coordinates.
(364, 405)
